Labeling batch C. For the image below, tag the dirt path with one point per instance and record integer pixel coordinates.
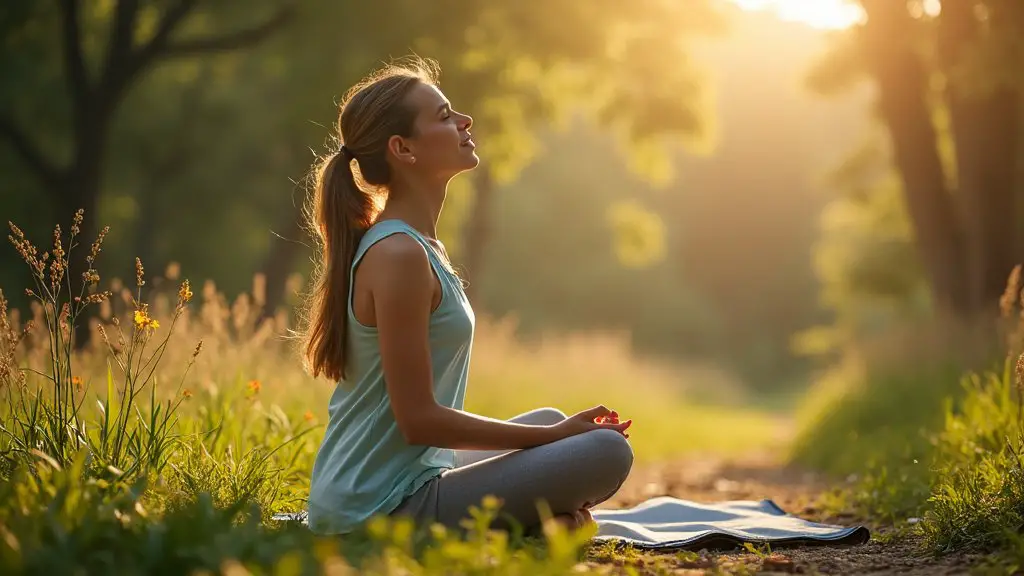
(754, 478)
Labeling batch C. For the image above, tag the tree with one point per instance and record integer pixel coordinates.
(517, 68)
(950, 98)
(623, 65)
(514, 66)
(135, 37)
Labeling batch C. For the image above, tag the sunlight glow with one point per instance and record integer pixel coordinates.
(827, 14)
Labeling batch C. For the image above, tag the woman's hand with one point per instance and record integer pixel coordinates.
(594, 418)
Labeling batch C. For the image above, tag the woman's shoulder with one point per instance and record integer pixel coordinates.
(388, 233)
(397, 255)
(398, 247)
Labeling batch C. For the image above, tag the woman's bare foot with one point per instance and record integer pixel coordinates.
(586, 518)
(569, 522)
(574, 521)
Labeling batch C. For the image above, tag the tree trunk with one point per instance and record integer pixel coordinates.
(477, 229)
(902, 84)
(278, 263)
(985, 126)
(80, 189)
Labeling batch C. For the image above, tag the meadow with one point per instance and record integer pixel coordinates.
(167, 442)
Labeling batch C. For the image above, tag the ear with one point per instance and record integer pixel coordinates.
(401, 149)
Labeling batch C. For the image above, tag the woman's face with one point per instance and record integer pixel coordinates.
(441, 145)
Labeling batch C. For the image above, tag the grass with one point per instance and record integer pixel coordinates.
(167, 443)
(931, 440)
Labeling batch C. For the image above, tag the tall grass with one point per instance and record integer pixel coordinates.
(939, 438)
(167, 441)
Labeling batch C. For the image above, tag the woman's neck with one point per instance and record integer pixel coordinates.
(416, 204)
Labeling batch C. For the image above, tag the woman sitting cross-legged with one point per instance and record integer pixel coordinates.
(388, 319)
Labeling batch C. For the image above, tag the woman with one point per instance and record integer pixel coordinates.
(389, 320)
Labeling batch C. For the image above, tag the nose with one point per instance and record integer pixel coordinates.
(467, 121)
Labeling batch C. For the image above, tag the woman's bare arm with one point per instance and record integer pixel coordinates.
(401, 281)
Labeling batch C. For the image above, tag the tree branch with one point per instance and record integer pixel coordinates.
(142, 56)
(119, 51)
(74, 62)
(46, 172)
(228, 41)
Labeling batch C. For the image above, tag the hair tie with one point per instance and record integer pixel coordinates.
(346, 152)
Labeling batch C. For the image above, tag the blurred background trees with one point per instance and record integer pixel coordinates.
(928, 217)
(657, 167)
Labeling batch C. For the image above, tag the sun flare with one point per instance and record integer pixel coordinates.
(826, 14)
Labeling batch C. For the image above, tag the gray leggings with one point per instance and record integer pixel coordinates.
(570, 474)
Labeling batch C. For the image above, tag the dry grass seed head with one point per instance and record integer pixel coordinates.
(1009, 298)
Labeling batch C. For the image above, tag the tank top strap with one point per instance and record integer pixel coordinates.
(385, 228)
(376, 233)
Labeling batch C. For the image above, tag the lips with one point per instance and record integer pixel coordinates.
(468, 141)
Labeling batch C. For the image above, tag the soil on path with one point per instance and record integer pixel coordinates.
(799, 493)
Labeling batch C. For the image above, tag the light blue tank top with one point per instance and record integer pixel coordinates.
(364, 466)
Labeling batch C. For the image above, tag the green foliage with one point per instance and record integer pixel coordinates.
(196, 131)
(47, 414)
(558, 232)
(878, 417)
(950, 456)
(87, 490)
(208, 156)
(977, 502)
(865, 259)
(204, 464)
(59, 521)
(640, 234)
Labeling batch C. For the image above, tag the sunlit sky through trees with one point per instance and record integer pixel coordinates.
(829, 14)
(824, 14)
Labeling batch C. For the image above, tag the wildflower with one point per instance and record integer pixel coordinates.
(139, 273)
(254, 386)
(76, 381)
(186, 393)
(25, 249)
(103, 334)
(185, 292)
(96, 247)
(57, 265)
(308, 416)
(98, 297)
(142, 319)
(77, 222)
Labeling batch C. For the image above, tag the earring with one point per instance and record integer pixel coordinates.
(413, 159)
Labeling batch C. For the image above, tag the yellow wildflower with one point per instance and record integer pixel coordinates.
(142, 319)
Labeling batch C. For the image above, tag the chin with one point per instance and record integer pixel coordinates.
(469, 162)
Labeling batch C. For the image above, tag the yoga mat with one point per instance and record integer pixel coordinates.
(671, 523)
